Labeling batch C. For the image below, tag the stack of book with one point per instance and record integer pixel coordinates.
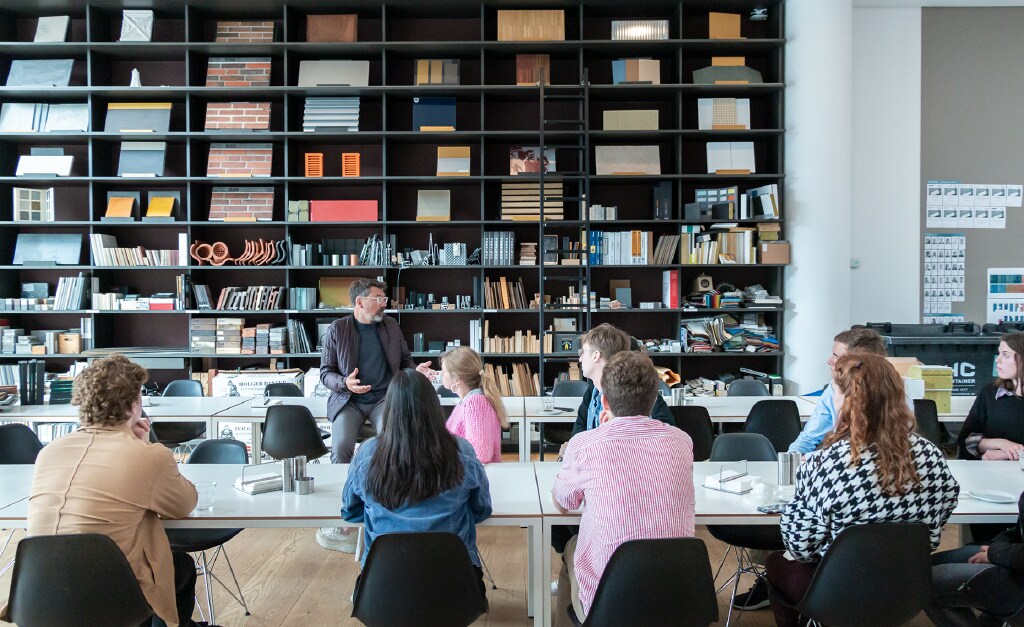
(9, 339)
(229, 335)
(297, 337)
(720, 243)
(71, 291)
(769, 231)
(499, 249)
(203, 335)
(278, 339)
(331, 114)
(302, 298)
(106, 252)
(522, 202)
(528, 253)
(60, 390)
(519, 342)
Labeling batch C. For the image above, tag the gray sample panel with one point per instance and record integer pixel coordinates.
(40, 73)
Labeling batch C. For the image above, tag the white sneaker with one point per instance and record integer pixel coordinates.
(554, 587)
(342, 539)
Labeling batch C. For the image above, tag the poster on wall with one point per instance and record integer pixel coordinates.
(956, 205)
(944, 258)
(1005, 302)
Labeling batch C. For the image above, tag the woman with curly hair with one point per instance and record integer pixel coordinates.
(872, 468)
(106, 477)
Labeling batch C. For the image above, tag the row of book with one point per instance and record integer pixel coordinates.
(106, 252)
(719, 243)
(726, 333)
(517, 381)
(503, 293)
(498, 248)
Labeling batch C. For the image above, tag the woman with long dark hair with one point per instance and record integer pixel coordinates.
(994, 428)
(871, 468)
(415, 475)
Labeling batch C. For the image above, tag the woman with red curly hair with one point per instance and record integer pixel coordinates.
(107, 478)
(871, 468)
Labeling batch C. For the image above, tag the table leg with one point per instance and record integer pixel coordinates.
(257, 443)
(537, 579)
(524, 442)
(545, 574)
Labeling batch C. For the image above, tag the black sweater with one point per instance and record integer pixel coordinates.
(659, 412)
(992, 418)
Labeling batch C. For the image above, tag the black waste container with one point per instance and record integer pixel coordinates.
(960, 345)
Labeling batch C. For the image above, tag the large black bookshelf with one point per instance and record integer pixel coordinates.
(493, 114)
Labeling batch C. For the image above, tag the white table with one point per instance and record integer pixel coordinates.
(720, 408)
(513, 499)
(720, 508)
(959, 407)
(254, 410)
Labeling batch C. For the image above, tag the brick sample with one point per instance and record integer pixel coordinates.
(240, 160)
(229, 32)
(248, 204)
(238, 72)
(252, 116)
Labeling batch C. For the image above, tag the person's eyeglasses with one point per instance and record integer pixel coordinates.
(380, 299)
(586, 350)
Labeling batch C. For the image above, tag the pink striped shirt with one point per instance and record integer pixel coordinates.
(636, 476)
(475, 420)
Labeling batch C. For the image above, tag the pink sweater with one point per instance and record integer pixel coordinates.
(474, 419)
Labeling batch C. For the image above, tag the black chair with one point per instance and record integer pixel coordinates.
(174, 434)
(747, 387)
(776, 419)
(81, 579)
(928, 425)
(696, 422)
(753, 447)
(664, 582)
(289, 431)
(18, 444)
(559, 433)
(877, 574)
(202, 540)
(418, 579)
(288, 390)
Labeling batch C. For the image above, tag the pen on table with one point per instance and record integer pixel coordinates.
(563, 408)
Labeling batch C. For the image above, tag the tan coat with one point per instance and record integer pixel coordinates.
(105, 480)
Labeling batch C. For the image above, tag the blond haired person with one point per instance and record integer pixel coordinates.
(107, 478)
(480, 415)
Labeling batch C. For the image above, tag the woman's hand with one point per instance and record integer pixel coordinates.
(1000, 448)
(981, 557)
(140, 427)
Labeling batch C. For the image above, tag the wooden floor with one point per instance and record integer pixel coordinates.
(288, 580)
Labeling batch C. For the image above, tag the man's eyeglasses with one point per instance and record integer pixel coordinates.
(585, 350)
(381, 300)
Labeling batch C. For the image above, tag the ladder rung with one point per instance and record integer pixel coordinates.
(563, 278)
(577, 122)
(566, 146)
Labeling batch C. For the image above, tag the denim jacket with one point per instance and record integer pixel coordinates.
(457, 510)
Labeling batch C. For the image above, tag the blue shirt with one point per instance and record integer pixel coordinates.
(594, 411)
(457, 510)
(821, 422)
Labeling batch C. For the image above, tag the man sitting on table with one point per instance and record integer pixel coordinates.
(634, 473)
(106, 477)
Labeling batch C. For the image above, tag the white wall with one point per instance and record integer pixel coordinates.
(818, 184)
(886, 216)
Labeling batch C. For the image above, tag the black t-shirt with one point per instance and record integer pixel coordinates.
(374, 369)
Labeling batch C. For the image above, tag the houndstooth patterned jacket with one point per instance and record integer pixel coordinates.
(831, 495)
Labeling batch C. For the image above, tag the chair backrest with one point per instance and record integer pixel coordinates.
(872, 574)
(734, 447)
(696, 422)
(172, 434)
(18, 445)
(747, 387)
(927, 415)
(184, 387)
(776, 419)
(570, 388)
(290, 431)
(653, 583)
(220, 451)
(282, 389)
(443, 392)
(82, 579)
(418, 579)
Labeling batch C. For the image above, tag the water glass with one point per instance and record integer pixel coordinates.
(548, 403)
(206, 490)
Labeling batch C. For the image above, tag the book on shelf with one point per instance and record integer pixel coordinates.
(761, 202)
(621, 247)
(298, 339)
(700, 246)
(499, 248)
(106, 252)
(453, 161)
(72, 292)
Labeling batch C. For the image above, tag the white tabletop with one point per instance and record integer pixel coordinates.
(513, 496)
(160, 408)
(720, 408)
(959, 407)
(256, 406)
(714, 507)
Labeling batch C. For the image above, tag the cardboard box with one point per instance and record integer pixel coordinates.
(903, 364)
(775, 252)
(69, 343)
(935, 377)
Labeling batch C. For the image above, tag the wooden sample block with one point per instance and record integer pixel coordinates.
(237, 32)
(533, 69)
(238, 72)
(160, 207)
(332, 28)
(350, 164)
(244, 116)
(531, 25)
(240, 160)
(437, 72)
(242, 204)
(723, 26)
(627, 160)
(453, 160)
(521, 201)
(314, 164)
(631, 120)
(636, 71)
(120, 207)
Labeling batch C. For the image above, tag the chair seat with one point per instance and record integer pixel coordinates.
(756, 537)
(194, 540)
